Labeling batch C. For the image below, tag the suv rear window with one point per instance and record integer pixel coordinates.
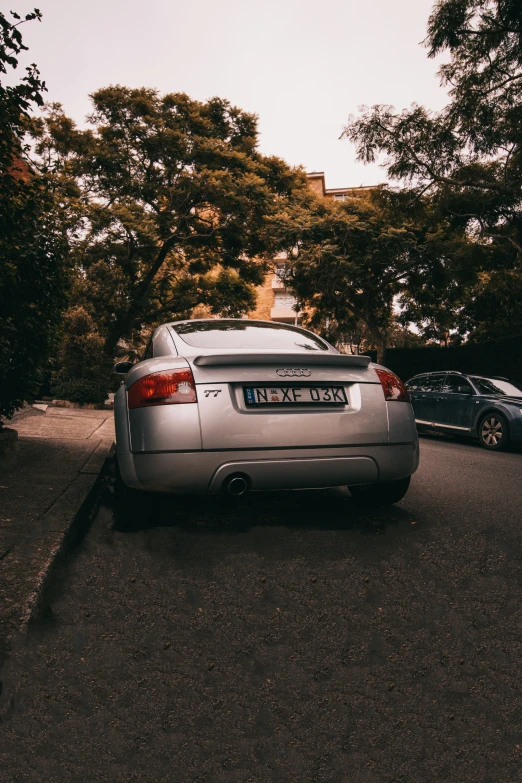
(496, 386)
(247, 334)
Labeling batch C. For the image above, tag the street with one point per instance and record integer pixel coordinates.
(293, 637)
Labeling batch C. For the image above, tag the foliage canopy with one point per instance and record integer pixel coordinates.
(351, 260)
(168, 200)
(468, 157)
(32, 244)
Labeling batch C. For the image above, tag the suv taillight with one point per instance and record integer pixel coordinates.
(392, 386)
(163, 388)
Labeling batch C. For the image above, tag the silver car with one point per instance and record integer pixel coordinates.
(232, 405)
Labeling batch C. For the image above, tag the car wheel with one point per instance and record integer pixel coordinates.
(384, 494)
(493, 432)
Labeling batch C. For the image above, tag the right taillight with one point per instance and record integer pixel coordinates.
(392, 386)
(169, 387)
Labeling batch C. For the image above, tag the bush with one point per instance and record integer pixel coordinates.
(80, 390)
(85, 371)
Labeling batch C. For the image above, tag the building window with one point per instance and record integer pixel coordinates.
(339, 197)
(280, 271)
(283, 299)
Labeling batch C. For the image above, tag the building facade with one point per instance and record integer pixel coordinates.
(275, 302)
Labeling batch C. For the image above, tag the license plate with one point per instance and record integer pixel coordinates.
(294, 395)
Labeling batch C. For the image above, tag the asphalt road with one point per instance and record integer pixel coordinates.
(294, 638)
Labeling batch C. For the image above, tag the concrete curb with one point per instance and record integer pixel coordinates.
(60, 526)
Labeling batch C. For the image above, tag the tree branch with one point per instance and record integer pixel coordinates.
(499, 86)
(465, 31)
(419, 195)
(440, 177)
(465, 183)
(487, 233)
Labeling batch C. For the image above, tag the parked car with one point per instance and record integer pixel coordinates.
(236, 404)
(486, 408)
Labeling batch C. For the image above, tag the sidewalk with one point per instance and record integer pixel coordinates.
(61, 454)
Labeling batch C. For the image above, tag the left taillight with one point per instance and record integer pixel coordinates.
(170, 387)
(392, 386)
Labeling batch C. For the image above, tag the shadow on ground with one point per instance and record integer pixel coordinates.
(328, 509)
(448, 437)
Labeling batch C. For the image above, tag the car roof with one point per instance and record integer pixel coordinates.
(239, 320)
(437, 372)
(491, 377)
(464, 375)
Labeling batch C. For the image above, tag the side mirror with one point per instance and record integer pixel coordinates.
(465, 390)
(122, 368)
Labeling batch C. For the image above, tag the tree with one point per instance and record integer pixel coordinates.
(171, 200)
(471, 152)
(349, 334)
(494, 309)
(402, 337)
(469, 155)
(85, 373)
(32, 245)
(352, 261)
(16, 100)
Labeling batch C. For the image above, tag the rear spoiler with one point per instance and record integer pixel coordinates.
(284, 359)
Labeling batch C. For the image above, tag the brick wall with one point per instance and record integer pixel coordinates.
(265, 293)
(316, 183)
(265, 300)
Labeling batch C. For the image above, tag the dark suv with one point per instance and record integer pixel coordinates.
(487, 408)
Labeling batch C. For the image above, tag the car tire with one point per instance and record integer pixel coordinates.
(493, 432)
(384, 494)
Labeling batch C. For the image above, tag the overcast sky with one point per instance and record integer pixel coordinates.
(302, 65)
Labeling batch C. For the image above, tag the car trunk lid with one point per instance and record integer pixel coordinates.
(227, 422)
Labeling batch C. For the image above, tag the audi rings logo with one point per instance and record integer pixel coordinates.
(294, 373)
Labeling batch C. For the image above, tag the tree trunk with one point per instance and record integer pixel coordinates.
(381, 351)
(380, 343)
(125, 325)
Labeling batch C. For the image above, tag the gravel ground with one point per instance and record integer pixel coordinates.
(292, 638)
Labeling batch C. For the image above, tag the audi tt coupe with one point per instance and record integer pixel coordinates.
(231, 405)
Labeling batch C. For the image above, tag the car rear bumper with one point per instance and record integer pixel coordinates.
(202, 472)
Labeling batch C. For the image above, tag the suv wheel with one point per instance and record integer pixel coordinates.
(384, 494)
(494, 432)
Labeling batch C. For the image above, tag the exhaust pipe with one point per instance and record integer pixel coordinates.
(237, 486)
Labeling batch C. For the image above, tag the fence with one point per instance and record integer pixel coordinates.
(498, 357)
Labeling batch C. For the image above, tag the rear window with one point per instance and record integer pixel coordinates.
(496, 386)
(247, 334)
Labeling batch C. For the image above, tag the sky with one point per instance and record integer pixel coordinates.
(303, 66)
